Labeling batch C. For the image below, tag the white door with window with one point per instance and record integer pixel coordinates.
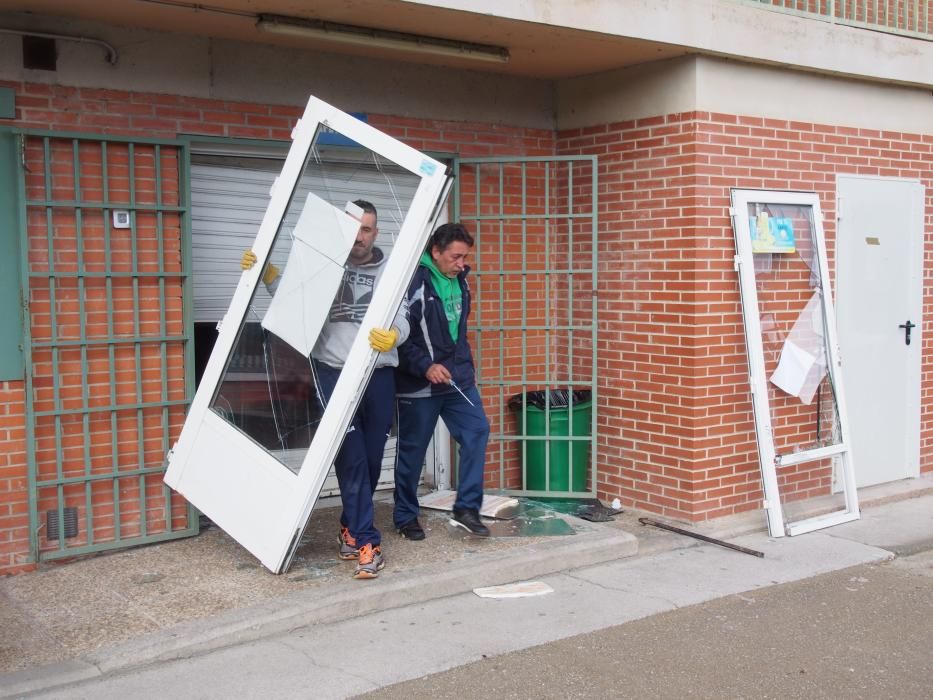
(879, 269)
(230, 187)
(261, 432)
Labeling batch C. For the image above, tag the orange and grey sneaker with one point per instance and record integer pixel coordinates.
(370, 563)
(348, 548)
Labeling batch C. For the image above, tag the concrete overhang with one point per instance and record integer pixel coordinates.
(546, 39)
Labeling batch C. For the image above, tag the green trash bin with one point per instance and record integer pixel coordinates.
(568, 467)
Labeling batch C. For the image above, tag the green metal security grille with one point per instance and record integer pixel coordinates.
(105, 274)
(534, 282)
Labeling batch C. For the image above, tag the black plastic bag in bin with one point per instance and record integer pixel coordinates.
(556, 398)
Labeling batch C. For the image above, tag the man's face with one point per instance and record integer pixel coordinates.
(362, 249)
(452, 259)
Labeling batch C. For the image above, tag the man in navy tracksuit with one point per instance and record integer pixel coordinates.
(359, 461)
(434, 363)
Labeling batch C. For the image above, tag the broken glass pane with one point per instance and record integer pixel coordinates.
(270, 389)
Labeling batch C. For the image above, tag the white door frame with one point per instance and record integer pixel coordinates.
(768, 458)
(243, 488)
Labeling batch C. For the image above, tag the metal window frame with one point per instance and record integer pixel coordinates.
(496, 222)
(106, 207)
(12, 366)
(768, 458)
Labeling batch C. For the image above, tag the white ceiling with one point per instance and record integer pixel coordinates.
(536, 50)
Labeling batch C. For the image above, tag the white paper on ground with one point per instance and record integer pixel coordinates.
(523, 589)
(322, 240)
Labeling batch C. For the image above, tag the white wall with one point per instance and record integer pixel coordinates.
(729, 87)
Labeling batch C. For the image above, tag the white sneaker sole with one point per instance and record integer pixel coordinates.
(457, 523)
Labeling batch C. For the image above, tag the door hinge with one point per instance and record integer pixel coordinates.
(22, 153)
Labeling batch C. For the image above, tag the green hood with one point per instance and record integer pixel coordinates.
(449, 291)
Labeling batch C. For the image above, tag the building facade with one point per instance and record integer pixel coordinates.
(633, 123)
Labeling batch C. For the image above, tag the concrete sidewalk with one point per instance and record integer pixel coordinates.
(128, 608)
(110, 613)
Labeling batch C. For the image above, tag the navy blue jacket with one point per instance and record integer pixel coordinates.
(430, 341)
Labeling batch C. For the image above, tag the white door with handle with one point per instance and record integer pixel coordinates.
(879, 270)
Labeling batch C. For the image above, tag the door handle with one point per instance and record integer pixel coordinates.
(907, 326)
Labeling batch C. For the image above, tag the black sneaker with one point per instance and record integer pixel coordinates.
(469, 520)
(412, 530)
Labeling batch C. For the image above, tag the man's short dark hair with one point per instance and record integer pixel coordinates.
(446, 234)
(367, 207)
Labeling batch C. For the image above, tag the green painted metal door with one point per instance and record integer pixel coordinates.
(105, 266)
(534, 320)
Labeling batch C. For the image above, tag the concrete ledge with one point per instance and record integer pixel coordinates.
(330, 605)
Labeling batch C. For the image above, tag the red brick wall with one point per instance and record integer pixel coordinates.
(676, 434)
(14, 496)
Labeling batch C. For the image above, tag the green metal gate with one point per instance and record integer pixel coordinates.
(105, 260)
(534, 316)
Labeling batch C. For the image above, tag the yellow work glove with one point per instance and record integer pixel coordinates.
(269, 274)
(249, 259)
(382, 340)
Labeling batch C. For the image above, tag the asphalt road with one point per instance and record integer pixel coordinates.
(862, 632)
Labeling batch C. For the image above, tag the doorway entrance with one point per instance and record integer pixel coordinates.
(535, 223)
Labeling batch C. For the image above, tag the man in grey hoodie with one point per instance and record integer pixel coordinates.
(359, 461)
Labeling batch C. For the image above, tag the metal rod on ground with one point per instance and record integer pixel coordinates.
(711, 540)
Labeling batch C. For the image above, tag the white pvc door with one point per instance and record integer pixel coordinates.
(258, 440)
(879, 268)
(795, 371)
